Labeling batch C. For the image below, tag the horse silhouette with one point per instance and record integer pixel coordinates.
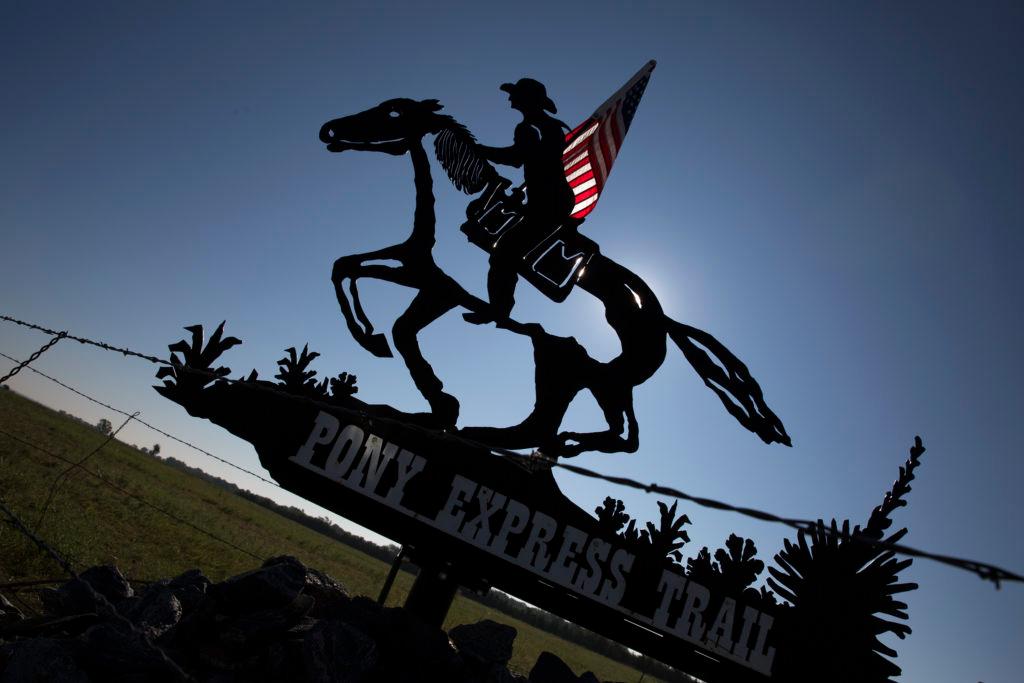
(563, 367)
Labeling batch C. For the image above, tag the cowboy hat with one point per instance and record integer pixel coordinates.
(532, 91)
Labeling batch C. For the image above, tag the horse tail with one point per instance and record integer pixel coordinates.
(728, 377)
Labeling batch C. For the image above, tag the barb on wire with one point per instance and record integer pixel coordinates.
(24, 364)
(131, 495)
(84, 340)
(983, 570)
(146, 424)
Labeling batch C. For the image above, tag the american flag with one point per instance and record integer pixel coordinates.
(592, 146)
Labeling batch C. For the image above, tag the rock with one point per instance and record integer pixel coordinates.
(108, 581)
(113, 651)
(269, 587)
(157, 611)
(8, 612)
(261, 626)
(93, 591)
(334, 651)
(190, 589)
(407, 649)
(51, 626)
(486, 642)
(74, 597)
(41, 659)
(330, 595)
(550, 669)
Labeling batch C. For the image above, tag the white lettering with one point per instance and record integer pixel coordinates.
(589, 582)
(409, 465)
(451, 516)
(671, 587)
(516, 516)
(720, 635)
(478, 531)
(761, 658)
(535, 552)
(323, 432)
(344, 452)
(691, 623)
(614, 588)
(565, 566)
(371, 466)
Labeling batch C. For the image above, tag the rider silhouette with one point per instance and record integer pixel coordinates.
(538, 143)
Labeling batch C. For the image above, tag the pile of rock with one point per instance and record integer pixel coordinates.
(283, 621)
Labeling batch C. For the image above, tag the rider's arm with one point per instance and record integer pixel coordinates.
(526, 137)
(507, 156)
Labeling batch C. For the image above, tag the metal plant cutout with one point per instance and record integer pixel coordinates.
(539, 240)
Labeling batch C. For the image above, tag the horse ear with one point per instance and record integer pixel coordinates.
(432, 105)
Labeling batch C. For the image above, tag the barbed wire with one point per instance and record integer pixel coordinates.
(24, 364)
(16, 522)
(81, 340)
(60, 477)
(142, 422)
(134, 496)
(983, 570)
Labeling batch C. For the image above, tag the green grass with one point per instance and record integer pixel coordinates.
(90, 523)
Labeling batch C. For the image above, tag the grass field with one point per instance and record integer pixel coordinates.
(91, 523)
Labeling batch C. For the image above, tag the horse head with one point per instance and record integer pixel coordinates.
(388, 127)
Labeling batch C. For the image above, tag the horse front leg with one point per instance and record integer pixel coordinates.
(352, 268)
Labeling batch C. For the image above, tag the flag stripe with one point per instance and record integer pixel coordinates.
(583, 136)
(575, 164)
(589, 201)
(585, 168)
(584, 186)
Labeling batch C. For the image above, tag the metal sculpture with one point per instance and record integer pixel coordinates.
(470, 518)
(543, 245)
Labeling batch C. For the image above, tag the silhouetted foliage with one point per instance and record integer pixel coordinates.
(196, 357)
(841, 589)
(667, 538)
(343, 385)
(611, 515)
(293, 371)
(104, 427)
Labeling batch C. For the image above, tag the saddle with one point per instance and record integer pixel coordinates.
(552, 262)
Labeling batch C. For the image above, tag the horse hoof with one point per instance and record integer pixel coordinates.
(477, 318)
(445, 409)
(377, 344)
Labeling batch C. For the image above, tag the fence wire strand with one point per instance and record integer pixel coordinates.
(131, 495)
(25, 363)
(985, 571)
(64, 473)
(147, 425)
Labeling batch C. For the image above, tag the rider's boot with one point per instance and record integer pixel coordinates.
(501, 288)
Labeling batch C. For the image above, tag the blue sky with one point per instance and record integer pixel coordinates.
(834, 192)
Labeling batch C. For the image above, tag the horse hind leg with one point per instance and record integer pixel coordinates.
(426, 307)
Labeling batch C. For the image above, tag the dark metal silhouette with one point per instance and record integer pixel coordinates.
(537, 147)
(563, 367)
(471, 519)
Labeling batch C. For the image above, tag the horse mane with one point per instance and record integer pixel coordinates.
(456, 151)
